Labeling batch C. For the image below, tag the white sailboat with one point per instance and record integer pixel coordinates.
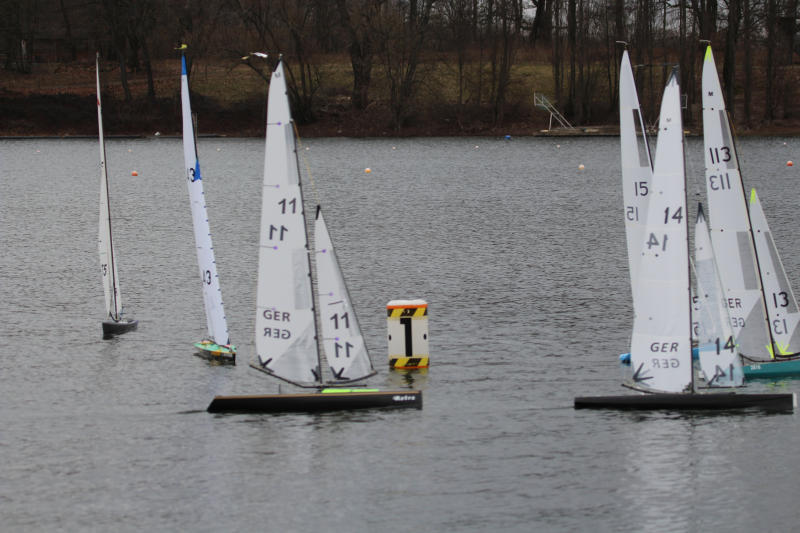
(217, 344)
(779, 300)
(759, 299)
(290, 316)
(115, 323)
(661, 342)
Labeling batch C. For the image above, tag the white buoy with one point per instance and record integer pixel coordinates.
(581, 167)
(407, 324)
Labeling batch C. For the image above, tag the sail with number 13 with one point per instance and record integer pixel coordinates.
(217, 344)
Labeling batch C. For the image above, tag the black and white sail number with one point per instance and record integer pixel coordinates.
(659, 242)
(780, 300)
(286, 206)
(191, 174)
(342, 320)
(640, 190)
(719, 182)
(720, 372)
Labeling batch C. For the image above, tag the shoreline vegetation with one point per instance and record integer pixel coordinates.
(229, 99)
(389, 68)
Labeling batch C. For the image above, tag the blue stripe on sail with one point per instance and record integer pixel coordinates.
(197, 175)
(183, 65)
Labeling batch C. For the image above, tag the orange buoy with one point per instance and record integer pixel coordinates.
(789, 164)
(134, 173)
(367, 170)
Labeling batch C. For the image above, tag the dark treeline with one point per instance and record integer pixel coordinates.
(476, 50)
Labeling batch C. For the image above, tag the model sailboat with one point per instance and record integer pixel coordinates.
(114, 324)
(306, 329)
(763, 310)
(661, 341)
(217, 345)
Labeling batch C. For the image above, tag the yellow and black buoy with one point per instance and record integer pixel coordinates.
(407, 322)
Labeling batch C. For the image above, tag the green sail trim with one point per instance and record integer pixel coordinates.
(335, 391)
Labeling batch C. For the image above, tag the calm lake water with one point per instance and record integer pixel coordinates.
(521, 257)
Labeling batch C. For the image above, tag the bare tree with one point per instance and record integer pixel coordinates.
(19, 18)
(285, 26)
(358, 18)
(748, 31)
(458, 20)
(403, 32)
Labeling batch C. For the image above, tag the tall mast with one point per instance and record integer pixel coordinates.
(309, 252)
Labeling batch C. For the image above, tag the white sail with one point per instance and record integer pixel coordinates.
(661, 339)
(778, 295)
(719, 357)
(730, 224)
(342, 340)
(105, 246)
(212, 295)
(637, 172)
(286, 342)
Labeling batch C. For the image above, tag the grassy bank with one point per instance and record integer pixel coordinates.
(229, 99)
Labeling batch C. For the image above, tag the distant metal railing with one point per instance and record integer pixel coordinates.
(541, 101)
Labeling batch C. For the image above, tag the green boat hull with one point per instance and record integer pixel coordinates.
(215, 352)
(772, 369)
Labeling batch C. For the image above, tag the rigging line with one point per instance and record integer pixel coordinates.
(299, 144)
(322, 359)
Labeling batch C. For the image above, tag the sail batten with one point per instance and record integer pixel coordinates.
(212, 295)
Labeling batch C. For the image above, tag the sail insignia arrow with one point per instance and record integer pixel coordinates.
(638, 377)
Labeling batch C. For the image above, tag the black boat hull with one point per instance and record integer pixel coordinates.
(113, 327)
(678, 401)
(316, 402)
